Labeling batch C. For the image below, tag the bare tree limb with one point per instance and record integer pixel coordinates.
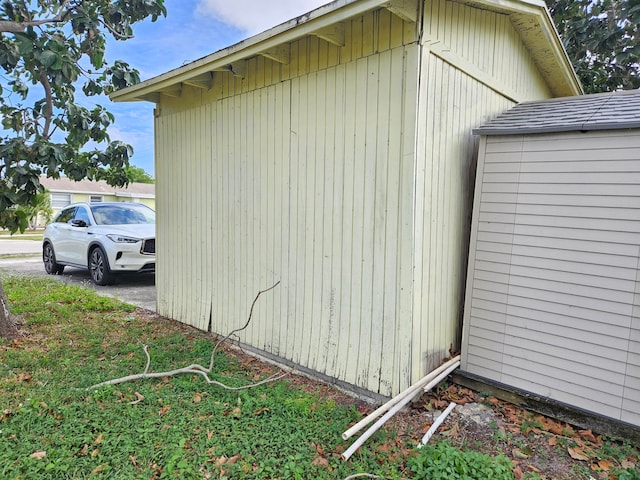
(233, 332)
(49, 104)
(116, 34)
(362, 475)
(196, 368)
(9, 26)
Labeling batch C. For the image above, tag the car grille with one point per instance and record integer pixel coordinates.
(149, 246)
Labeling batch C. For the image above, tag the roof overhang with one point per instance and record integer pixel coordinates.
(530, 17)
(533, 22)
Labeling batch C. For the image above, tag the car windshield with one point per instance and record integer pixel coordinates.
(123, 215)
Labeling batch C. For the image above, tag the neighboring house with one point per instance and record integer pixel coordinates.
(64, 191)
(553, 290)
(334, 153)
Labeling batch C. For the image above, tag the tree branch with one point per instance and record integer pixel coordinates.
(9, 26)
(48, 114)
(196, 368)
(116, 34)
(233, 332)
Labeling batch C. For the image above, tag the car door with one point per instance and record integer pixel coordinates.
(59, 234)
(78, 235)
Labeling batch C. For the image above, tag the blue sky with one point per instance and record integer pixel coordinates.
(191, 30)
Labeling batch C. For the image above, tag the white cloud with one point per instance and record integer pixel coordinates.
(254, 16)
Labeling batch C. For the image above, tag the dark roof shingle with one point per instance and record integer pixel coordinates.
(602, 111)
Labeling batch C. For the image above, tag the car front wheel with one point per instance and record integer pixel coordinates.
(99, 267)
(49, 260)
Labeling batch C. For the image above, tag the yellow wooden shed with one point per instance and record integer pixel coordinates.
(334, 153)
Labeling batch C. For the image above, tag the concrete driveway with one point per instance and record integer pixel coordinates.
(24, 256)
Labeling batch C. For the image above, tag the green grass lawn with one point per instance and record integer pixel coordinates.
(26, 235)
(178, 427)
(52, 427)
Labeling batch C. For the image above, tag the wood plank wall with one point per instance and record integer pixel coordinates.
(452, 103)
(324, 174)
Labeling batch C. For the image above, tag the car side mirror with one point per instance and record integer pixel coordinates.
(78, 223)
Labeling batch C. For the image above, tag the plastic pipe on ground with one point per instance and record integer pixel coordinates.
(436, 424)
(413, 388)
(396, 408)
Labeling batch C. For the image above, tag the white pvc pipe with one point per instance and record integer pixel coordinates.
(396, 408)
(436, 424)
(413, 388)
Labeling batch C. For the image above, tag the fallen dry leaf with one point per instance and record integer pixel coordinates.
(134, 462)
(23, 377)
(577, 454)
(197, 398)
(38, 455)
(98, 439)
(553, 441)
(605, 465)
(517, 472)
(588, 435)
(517, 453)
(235, 412)
(260, 411)
(139, 396)
(318, 448)
(164, 410)
(320, 462)
(100, 468)
(223, 460)
(452, 432)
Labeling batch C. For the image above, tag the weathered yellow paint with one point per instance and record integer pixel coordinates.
(345, 174)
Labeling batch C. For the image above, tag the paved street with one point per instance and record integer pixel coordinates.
(24, 256)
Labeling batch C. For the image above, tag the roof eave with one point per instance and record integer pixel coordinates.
(316, 22)
(538, 32)
(542, 40)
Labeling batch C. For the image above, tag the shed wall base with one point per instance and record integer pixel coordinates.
(575, 416)
(344, 387)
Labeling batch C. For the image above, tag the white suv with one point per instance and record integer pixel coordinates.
(104, 237)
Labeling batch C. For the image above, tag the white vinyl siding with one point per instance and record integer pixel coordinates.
(552, 294)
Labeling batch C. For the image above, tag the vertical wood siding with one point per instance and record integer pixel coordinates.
(343, 174)
(488, 42)
(452, 103)
(305, 179)
(552, 302)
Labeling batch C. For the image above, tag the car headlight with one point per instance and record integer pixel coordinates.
(122, 239)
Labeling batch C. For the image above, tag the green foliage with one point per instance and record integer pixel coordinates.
(139, 175)
(602, 38)
(628, 474)
(445, 462)
(47, 50)
(41, 206)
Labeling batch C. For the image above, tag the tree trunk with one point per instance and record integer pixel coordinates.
(8, 326)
